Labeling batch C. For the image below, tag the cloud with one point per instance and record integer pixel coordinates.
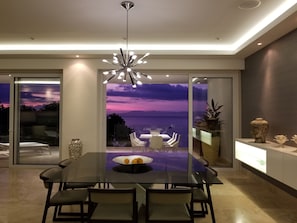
(151, 91)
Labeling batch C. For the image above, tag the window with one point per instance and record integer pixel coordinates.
(37, 103)
(149, 106)
(4, 112)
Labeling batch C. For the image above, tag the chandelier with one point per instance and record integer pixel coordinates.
(126, 62)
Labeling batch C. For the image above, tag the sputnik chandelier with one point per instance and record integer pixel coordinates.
(126, 62)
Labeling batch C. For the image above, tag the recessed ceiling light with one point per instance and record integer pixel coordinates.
(167, 75)
(259, 44)
(249, 4)
(77, 56)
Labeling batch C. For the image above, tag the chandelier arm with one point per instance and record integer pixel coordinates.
(123, 57)
(120, 59)
(131, 60)
(131, 79)
(110, 78)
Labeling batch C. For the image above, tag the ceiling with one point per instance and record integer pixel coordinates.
(165, 28)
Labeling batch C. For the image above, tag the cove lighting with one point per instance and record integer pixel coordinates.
(283, 10)
(36, 82)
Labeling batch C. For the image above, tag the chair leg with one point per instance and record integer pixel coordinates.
(210, 204)
(55, 216)
(44, 214)
(82, 212)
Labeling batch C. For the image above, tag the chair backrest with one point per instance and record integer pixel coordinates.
(169, 205)
(113, 205)
(169, 196)
(133, 139)
(156, 142)
(173, 138)
(64, 163)
(176, 142)
(112, 196)
(51, 175)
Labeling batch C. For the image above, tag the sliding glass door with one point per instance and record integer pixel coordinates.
(213, 119)
(36, 120)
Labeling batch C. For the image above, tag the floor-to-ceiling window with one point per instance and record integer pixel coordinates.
(219, 87)
(36, 120)
(148, 107)
(4, 123)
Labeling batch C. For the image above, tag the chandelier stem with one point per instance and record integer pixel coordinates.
(127, 5)
(127, 36)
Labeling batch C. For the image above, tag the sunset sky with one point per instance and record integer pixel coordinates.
(148, 97)
(120, 98)
(32, 95)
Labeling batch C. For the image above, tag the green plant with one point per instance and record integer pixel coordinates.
(212, 116)
(213, 110)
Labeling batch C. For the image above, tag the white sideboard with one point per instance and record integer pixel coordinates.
(277, 162)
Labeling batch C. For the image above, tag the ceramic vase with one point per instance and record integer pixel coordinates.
(259, 129)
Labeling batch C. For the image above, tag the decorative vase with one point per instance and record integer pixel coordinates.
(259, 129)
(281, 139)
(75, 149)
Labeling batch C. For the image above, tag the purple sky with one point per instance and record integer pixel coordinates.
(32, 95)
(120, 98)
(148, 97)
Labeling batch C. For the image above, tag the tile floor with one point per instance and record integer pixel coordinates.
(243, 198)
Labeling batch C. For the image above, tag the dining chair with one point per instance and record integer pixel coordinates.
(56, 197)
(175, 143)
(73, 185)
(169, 205)
(156, 142)
(172, 139)
(112, 205)
(135, 141)
(202, 195)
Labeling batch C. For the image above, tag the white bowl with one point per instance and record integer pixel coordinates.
(132, 160)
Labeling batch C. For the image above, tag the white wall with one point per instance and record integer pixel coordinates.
(83, 97)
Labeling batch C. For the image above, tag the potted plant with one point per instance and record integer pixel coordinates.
(212, 115)
(213, 125)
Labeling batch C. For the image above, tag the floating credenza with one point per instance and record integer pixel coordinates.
(277, 162)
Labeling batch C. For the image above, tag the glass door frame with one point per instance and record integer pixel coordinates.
(236, 108)
(14, 114)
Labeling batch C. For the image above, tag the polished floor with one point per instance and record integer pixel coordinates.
(243, 198)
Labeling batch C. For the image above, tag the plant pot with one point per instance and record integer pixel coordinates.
(211, 152)
(213, 124)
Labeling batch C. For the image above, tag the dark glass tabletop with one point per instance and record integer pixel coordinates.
(161, 168)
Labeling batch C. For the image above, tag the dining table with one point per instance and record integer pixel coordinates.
(148, 136)
(141, 168)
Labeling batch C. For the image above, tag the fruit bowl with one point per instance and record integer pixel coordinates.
(132, 160)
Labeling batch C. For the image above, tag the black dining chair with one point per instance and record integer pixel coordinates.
(74, 185)
(169, 205)
(112, 205)
(202, 194)
(56, 197)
